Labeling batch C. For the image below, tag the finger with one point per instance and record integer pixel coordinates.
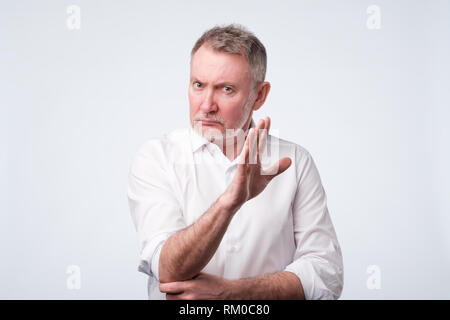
(247, 147)
(262, 143)
(261, 124)
(248, 141)
(277, 168)
(244, 153)
(267, 124)
(252, 147)
(262, 138)
(241, 160)
(170, 296)
(182, 296)
(172, 287)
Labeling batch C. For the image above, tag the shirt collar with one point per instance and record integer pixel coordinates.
(198, 141)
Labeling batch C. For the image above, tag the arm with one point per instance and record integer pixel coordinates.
(171, 250)
(318, 257)
(316, 271)
(282, 285)
(188, 251)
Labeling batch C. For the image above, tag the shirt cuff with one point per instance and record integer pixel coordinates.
(149, 261)
(155, 261)
(320, 281)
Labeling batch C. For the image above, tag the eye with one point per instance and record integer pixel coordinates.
(197, 84)
(228, 89)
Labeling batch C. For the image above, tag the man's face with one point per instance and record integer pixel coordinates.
(219, 90)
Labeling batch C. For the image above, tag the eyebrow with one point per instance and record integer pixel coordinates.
(220, 84)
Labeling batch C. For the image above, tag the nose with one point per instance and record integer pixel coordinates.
(209, 104)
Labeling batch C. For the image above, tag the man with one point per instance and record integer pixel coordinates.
(212, 222)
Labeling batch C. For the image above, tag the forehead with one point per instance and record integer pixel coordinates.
(211, 65)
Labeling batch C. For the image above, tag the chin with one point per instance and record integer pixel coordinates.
(210, 134)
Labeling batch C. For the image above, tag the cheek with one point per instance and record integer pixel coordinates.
(232, 110)
(194, 102)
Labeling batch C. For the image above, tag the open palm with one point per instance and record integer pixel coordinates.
(250, 179)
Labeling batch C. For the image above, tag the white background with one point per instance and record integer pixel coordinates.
(371, 105)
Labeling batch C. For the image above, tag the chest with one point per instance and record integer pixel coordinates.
(270, 213)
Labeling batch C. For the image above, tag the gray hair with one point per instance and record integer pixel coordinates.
(236, 39)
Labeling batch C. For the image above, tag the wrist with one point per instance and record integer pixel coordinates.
(230, 292)
(229, 204)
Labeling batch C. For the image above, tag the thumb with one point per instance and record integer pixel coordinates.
(277, 168)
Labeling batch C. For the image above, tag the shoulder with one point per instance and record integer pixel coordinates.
(302, 161)
(288, 148)
(164, 146)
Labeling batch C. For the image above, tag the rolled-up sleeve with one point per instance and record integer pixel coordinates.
(318, 258)
(155, 210)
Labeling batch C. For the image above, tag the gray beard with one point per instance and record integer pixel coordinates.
(214, 135)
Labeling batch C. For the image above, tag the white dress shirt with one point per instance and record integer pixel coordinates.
(174, 179)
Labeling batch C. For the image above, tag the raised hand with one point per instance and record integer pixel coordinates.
(250, 179)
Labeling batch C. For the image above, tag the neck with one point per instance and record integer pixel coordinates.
(232, 146)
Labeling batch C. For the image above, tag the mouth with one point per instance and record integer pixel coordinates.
(208, 122)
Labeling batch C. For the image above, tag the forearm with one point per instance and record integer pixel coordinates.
(188, 251)
(281, 285)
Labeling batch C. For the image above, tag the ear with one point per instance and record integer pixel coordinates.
(262, 91)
